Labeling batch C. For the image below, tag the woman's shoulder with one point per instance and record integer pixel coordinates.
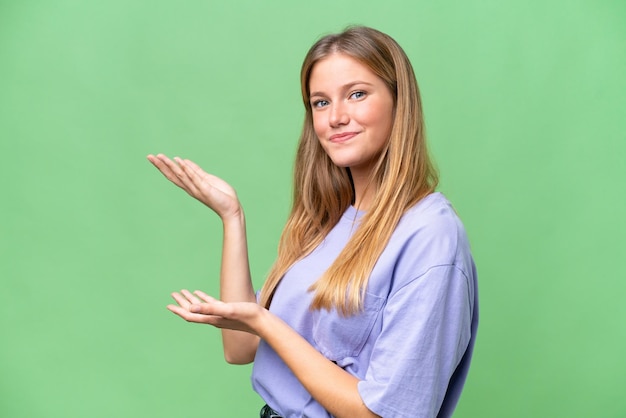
(433, 214)
(431, 234)
(429, 238)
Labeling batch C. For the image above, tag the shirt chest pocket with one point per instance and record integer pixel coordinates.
(338, 337)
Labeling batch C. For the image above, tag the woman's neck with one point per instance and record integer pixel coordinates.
(364, 190)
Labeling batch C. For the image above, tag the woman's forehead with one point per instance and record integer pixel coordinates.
(337, 70)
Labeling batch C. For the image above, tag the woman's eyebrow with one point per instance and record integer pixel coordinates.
(347, 86)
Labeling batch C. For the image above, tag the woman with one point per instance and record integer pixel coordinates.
(371, 307)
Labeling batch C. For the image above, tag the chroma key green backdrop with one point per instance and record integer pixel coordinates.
(526, 114)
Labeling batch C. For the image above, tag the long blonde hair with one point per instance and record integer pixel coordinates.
(403, 175)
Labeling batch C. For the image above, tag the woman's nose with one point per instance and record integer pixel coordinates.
(338, 115)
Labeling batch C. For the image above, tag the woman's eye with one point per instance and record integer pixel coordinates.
(320, 103)
(357, 95)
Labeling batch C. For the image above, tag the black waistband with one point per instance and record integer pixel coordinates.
(267, 412)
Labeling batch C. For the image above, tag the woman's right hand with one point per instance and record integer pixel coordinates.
(208, 189)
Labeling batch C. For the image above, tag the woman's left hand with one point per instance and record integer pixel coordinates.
(203, 309)
(310, 367)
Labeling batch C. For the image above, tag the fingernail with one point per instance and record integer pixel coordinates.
(194, 308)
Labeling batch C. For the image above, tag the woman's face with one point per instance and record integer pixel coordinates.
(352, 112)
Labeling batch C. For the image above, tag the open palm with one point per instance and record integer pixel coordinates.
(207, 188)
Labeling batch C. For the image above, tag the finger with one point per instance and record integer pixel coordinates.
(207, 178)
(152, 158)
(197, 171)
(204, 296)
(166, 167)
(214, 308)
(177, 168)
(182, 301)
(171, 166)
(189, 169)
(205, 184)
(189, 316)
(198, 318)
(174, 171)
(195, 167)
(191, 179)
(190, 296)
(163, 161)
(158, 162)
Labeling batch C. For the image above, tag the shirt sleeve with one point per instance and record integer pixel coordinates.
(426, 330)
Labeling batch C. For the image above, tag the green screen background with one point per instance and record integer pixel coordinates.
(526, 113)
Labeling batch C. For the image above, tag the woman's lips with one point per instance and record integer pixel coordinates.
(343, 137)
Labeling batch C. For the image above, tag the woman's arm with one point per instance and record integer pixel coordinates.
(235, 281)
(236, 286)
(330, 385)
(334, 388)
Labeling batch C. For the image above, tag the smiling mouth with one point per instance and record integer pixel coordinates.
(343, 137)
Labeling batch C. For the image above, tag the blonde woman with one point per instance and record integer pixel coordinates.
(371, 307)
